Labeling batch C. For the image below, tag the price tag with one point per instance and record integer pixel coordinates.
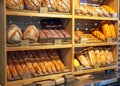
(79, 68)
(109, 40)
(26, 75)
(43, 10)
(45, 83)
(25, 43)
(96, 66)
(58, 41)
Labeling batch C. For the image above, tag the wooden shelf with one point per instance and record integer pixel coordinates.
(94, 70)
(37, 14)
(38, 47)
(95, 18)
(95, 44)
(28, 81)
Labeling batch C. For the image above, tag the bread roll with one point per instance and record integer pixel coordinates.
(42, 35)
(48, 33)
(98, 11)
(104, 12)
(53, 4)
(15, 4)
(33, 4)
(98, 34)
(14, 34)
(55, 35)
(67, 3)
(83, 9)
(31, 33)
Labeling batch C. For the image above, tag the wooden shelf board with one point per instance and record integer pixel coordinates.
(94, 70)
(96, 44)
(28, 81)
(37, 14)
(38, 47)
(95, 18)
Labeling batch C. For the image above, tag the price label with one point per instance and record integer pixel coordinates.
(96, 66)
(26, 75)
(79, 68)
(43, 10)
(58, 41)
(25, 43)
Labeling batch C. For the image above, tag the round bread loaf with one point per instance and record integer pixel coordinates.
(14, 34)
(31, 33)
(15, 4)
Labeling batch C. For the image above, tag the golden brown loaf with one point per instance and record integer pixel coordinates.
(83, 60)
(16, 64)
(103, 57)
(33, 4)
(112, 31)
(106, 30)
(31, 33)
(14, 34)
(98, 57)
(98, 34)
(12, 69)
(15, 4)
(109, 56)
(92, 56)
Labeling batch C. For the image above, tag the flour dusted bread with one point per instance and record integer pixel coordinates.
(33, 4)
(15, 4)
(31, 33)
(14, 34)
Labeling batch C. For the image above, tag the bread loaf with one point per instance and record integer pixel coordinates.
(66, 34)
(33, 4)
(17, 65)
(55, 35)
(9, 74)
(98, 57)
(109, 56)
(31, 33)
(41, 63)
(98, 34)
(15, 4)
(83, 60)
(14, 34)
(48, 33)
(106, 30)
(42, 35)
(112, 31)
(28, 63)
(103, 57)
(12, 68)
(92, 56)
(59, 33)
(21, 62)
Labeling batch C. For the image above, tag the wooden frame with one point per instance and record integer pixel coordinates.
(67, 49)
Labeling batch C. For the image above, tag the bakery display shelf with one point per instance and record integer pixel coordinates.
(20, 48)
(95, 70)
(95, 44)
(94, 18)
(29, 81)
(37, 14)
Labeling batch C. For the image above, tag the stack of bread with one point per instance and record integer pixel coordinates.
(102, 11)
(34, 62)
(106, 30)
(50, 30)
(53, 5)
(92, 56)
